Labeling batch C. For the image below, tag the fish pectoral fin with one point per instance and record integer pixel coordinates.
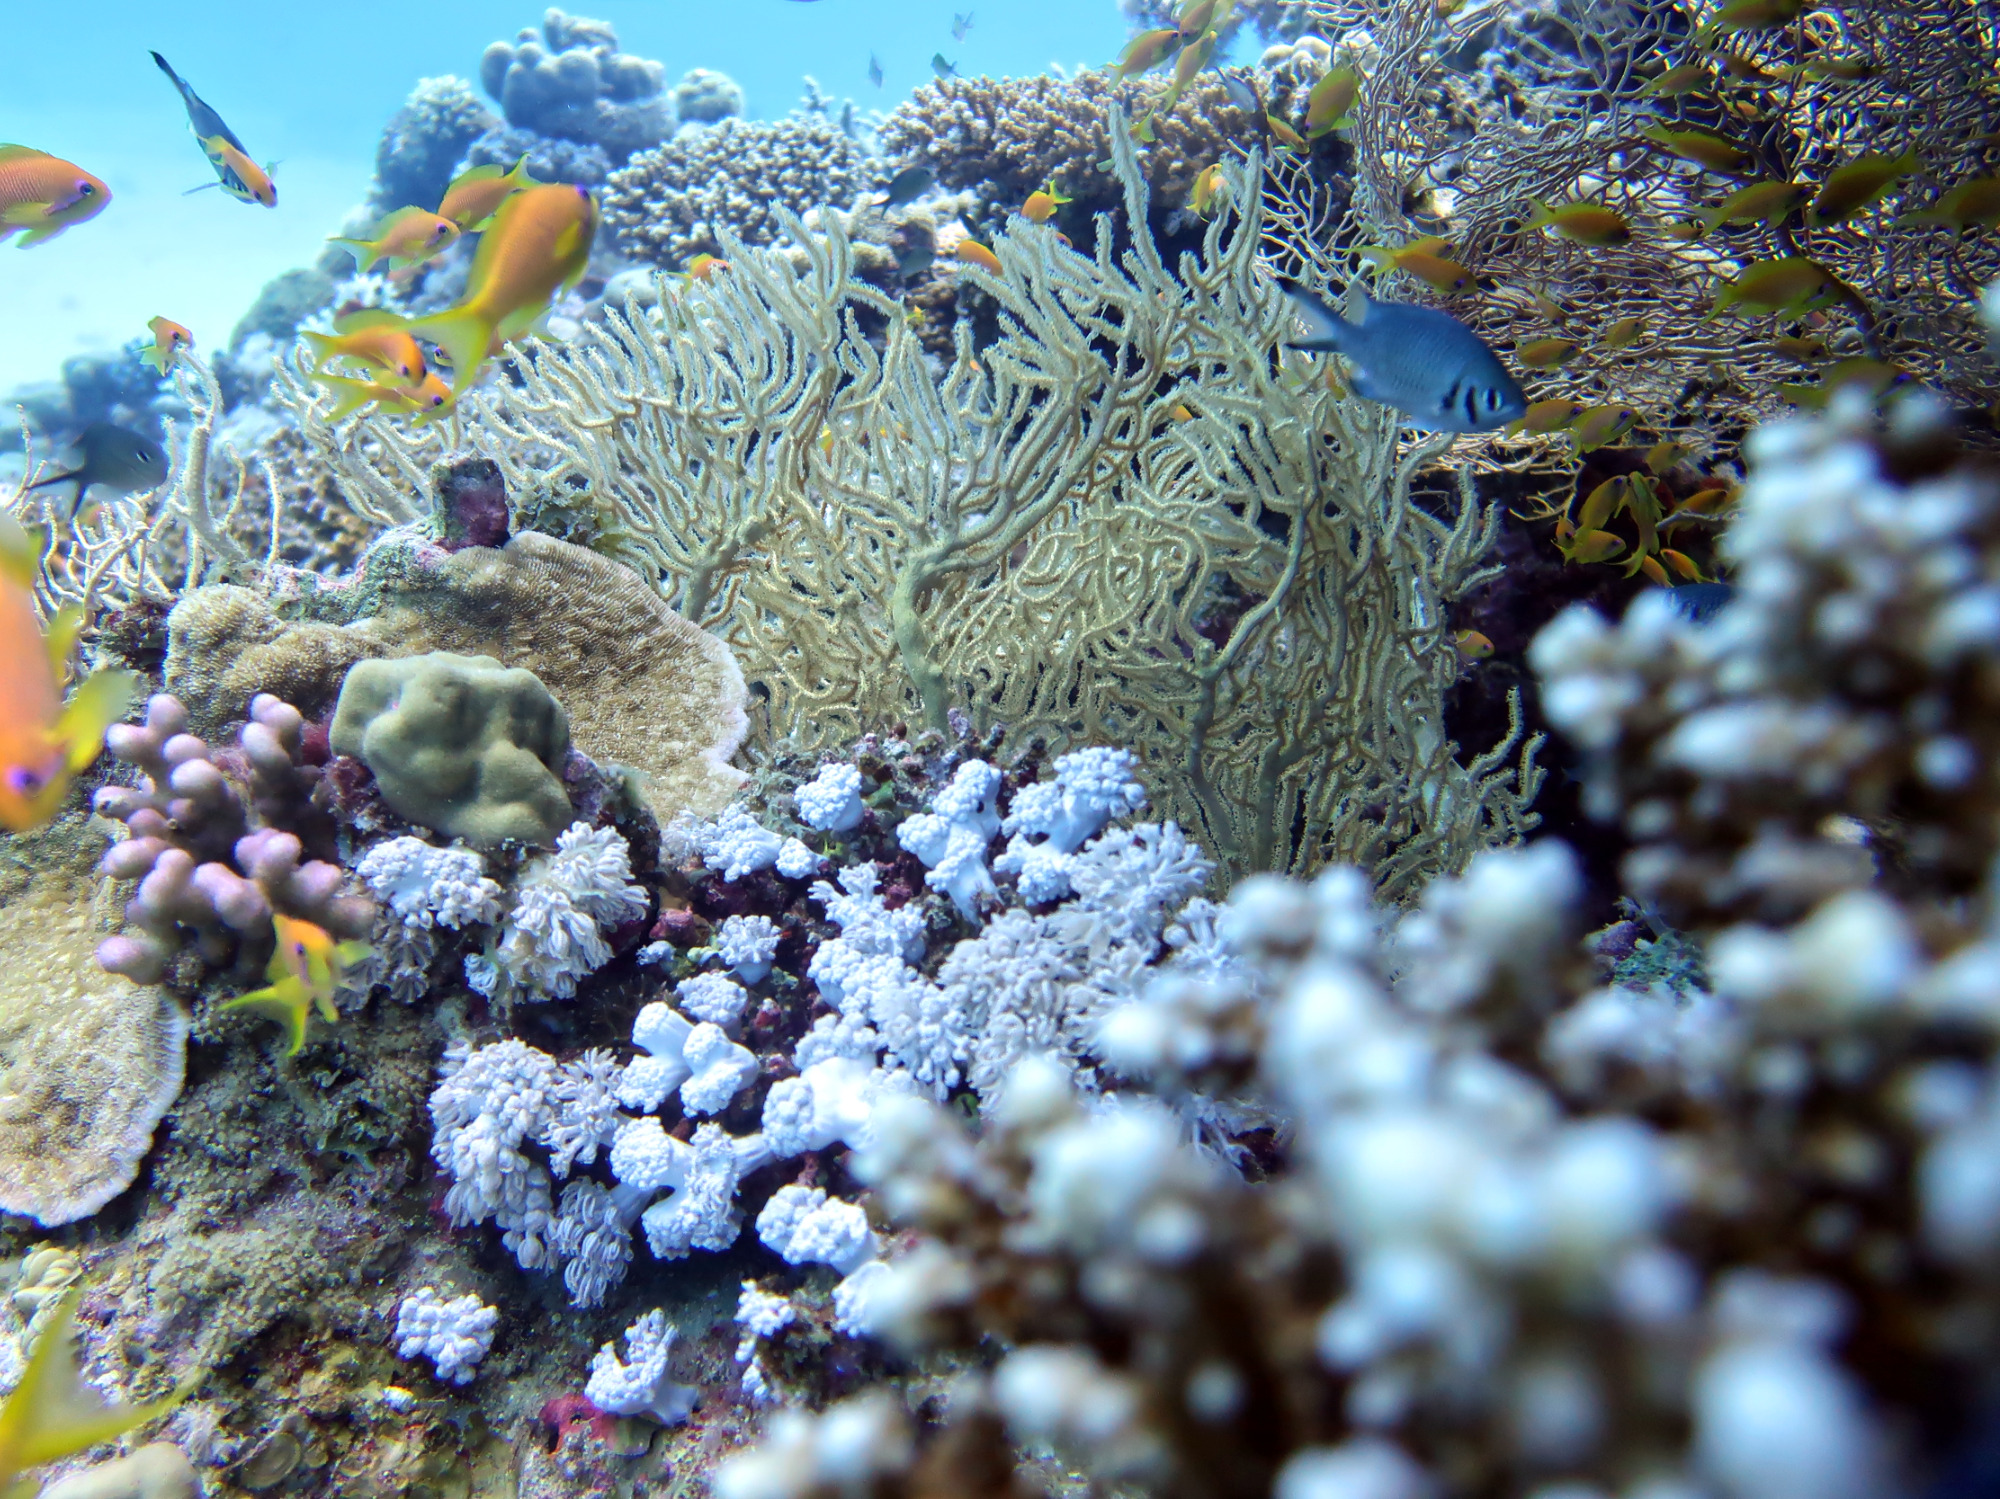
(99, 701)
(286, 1002)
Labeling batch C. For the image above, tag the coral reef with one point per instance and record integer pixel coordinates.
(734, 181)
(424, 142)
(454, 1335)
(704, 96)
(459, 744)
(570, 81)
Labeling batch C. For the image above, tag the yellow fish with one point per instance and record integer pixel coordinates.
(374, 338)
(1759, 203)
(1331, 101)
(407, 237)
(1701, 148)
(1145, 52)
(1591, 546)
(539, 245)
(1974, 202)
(1546, 353)
(45, 195)
(1420, 259)
(1207, 187)
(477, 193)
(1548, 416)
(53, 1412)
(1471, 645)
(428, 398)
(1864, 180)
(1586, 223)
(1283, 133)
(1685, 79)
(1623, 333)
(44, 742)
(972, 252)
(1600, 426)
(1041, 206)
(1792, 282)
(169, 338)
(305, 971)
(1752, 15)
(240, 177)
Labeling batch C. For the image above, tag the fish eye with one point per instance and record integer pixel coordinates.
(84, 189)
(23, 781)
(1492, 399)
(437, 400)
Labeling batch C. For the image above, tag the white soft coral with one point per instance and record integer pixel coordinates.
(552, 934)
(642, 1386)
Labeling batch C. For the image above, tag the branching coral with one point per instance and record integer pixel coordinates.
(1249, 597)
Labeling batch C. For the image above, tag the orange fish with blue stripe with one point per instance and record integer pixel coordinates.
(306, 971)
(238, 175)
(44, 741)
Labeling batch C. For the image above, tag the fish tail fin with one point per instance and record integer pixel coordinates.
(287, 1001)
(365, 254)
(53, 1412)
(172, 77)
(349, 395)
(464, 335)
(1327, 329)
(59, 638)
(95, 706)
(321, 344)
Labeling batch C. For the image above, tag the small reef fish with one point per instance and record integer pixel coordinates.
(1752, 15)
(1041, 206)
(1591, 546)
(1663, 457)
(1600, 426)
(1242, 93)
(408, 237)
(373, 338)
(1145, 52)
(1283, 134)
(1548, 416)
(1546, 353)
(240, 177)
(960, 24)
(476, 194)
(1586, 223)
(305, 972)
(914, 256)
(1759, 203)
(1425, 363)
(906, 186)
(1791, 283)
(1420, 259)
(169, 340)
(1970, 203)
(1701, 148)
(1839, 69)
(539, 245)
(1208, 186)
(942, 68)
(1862, 182)
(704, 266)
(874, 70)
(44, 742)
(1685, 79)
(54, 1412)
(1198, 16)
(428, 397)
(1622, 334)
(114, 457)
(1800, 350)
(45, 195)
(1471, 645)
(1330, 105)
(972, 252)
(1195, 56)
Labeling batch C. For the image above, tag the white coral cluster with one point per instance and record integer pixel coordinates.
(428, 886)
(951, 838)
(454, 1335)
(552, 933)
(639, 1384)
(762, 1317)
(1050, 820)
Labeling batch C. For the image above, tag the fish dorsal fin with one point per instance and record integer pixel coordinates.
(368, 317)
(20, 557)
(481, 173)
(19, 153)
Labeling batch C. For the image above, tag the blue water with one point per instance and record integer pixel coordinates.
(311, 86)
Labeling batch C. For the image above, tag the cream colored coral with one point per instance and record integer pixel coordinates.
(46, 1272)
(158, 1470)
(88, 1061)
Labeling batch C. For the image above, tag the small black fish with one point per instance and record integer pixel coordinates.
(114, 457)
(960, 24)
(942, 68)
(915, 257)
(874, 70)
(1425, 363)
(906, 186)
(1701, 602)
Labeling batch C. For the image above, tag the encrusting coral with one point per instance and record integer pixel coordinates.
(459, 744)
(570, 82)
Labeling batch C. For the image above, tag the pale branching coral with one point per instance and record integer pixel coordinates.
(762, 1317)
(831, 800)
(454, 1335)
(641, 1387)
(747, 944)
(951, 838)
(715, 997)
(551, 935)
(1249, 599)
(718, 1069)
(733, 182)
(488, 1103)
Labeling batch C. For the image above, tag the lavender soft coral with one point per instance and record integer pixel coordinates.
(215, 842)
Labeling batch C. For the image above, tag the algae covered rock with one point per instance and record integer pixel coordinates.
(459, 744)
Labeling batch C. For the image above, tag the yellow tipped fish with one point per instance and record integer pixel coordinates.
(1546, 353)
(1622, 334)
(1208, 186)
(44, 195)
(373, 338)
(1600, 426)
(1788, 284)
(169, 340)
(539, 245)
(1283, 134)
(1593, 546)
(972, 252)
(1685, 79)
(306, 971)
(1663, 457)
(428, 398)
(1601, 504)
(1586, 223)
(1471, 645)
(1839, 69)
(1753, 15)
(1759, 203)
(1145, 52)
(240, 177)
(1801, 350)
(1041, 206)
(704, 266)
(1701, 148)
(1864, 181)
(1970, 203)
(1544, 417)
(1331, 101)
(476, 194)
(407, 237)
(44, 741)
(54, 1412)
(1420, 259)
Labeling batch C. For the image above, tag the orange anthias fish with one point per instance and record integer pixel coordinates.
(429, 397)
(240, 177)
(374, 338)
(44, 194)
(972, 252)
(53, 1412)
(408, 237)
(44, 741)
(477, 193)
(169, 339)
(305, 971)
(538, 246)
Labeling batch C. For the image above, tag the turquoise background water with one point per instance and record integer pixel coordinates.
(311, 85)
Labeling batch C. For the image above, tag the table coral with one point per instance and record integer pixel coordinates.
(733, 179)
(459, 744)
